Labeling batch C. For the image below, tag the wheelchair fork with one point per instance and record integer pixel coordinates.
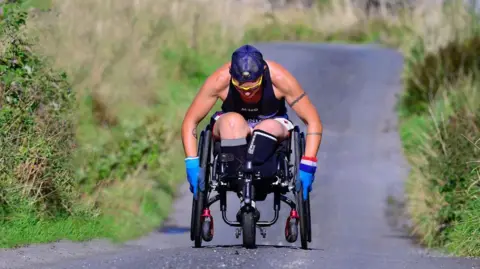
(247, 191)
(248, 187)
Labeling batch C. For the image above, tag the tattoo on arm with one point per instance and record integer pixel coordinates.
(315, 133)
(298, 99)
(194, 132)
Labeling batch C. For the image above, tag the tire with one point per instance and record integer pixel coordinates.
(195, 214)
(291, 231)
(307, 204)
(200, 201)
(309, 220)
(192, 220)
(249, 231)
(301, 205)
(207, 229)
(298, 149)
(198, 220)
(295, 154)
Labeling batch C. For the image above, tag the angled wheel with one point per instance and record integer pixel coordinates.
(303, 205)
(192, 220)
(307, 202)
(196, 214)
(199, 200)
(197, 236)
(303, 213)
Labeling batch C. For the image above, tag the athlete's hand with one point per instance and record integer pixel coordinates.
(308, 167)
(192, 165)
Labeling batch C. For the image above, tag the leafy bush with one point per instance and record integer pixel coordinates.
(36, 128)
(67, 158)
(130, 149)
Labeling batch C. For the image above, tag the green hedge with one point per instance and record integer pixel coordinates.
(62, 164)
(36, 127)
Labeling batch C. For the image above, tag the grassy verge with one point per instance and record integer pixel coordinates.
(134, 67)
(439, 108)
(440, 129)
(36, 136)
(131, 70)
(443, 187)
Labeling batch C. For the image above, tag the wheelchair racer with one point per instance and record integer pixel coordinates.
(254, 92)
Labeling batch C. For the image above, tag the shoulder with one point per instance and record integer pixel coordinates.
(219, 79)
(281, 77)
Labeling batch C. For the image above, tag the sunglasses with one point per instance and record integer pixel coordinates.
(237, 84)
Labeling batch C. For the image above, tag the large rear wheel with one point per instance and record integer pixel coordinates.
(195, 213)
(303, 205)
(198, 219)
(200, 199)
(303, 213)
(307, 202)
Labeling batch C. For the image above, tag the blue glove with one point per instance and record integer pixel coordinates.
(308, 167)
(192, 165)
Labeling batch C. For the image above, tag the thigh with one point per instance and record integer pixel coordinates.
(278, 127)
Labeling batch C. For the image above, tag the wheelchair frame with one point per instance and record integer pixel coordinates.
(248, 220)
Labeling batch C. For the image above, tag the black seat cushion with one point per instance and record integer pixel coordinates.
(269, 168)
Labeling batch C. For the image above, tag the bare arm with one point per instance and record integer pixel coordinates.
(201, 105)
(298, 100)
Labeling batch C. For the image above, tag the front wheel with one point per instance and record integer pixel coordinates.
(249, 229)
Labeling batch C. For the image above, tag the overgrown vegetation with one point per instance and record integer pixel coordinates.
(36, 137)
(133, 68)
(114, 152)
(443, 146)
(439, 109)
(442, 142)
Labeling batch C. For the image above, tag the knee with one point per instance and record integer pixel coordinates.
(232, 119)
(232, 124)
(272, 127)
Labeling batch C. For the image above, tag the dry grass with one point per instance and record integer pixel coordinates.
(144, 57)
(111, 38)
(428, 20)
(126, 53)
(443, 149)
(431, 140)
(134, 65)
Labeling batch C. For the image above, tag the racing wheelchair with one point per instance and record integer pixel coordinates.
(278, 175)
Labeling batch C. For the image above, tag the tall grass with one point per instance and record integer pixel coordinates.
(440, 129)
(444, 188)
(134, 66)
(438, 108)
(37, 138)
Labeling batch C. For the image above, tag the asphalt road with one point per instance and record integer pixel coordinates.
(360, 168)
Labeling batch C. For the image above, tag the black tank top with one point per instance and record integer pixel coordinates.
(268, 106)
